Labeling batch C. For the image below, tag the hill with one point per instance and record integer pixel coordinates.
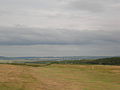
(103, 61)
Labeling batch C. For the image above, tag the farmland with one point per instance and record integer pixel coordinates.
(59, 77)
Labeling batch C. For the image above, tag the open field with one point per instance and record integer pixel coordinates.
(59, 77)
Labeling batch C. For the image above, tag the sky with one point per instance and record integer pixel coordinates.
(59, 27)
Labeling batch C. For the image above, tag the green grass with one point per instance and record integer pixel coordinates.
(60, 77)
(9, 86)
(89, 77)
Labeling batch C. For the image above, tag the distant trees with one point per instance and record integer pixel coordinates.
(104, 61)
(108, 61)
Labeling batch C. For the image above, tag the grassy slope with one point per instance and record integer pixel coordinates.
(60, 77)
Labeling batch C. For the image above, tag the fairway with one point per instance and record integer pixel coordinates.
(59, 77)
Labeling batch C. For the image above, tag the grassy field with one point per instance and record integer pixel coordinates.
(59, 77)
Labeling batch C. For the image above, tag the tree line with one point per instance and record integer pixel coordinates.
(104, 61)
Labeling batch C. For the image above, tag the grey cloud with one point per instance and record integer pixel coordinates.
(39, 36)
(29, 4)
(79, 14)
(92, 5)
(65, 27)
(86, 5)
(59, 50)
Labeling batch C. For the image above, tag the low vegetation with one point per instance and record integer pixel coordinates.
(60, 77)
(98, 74)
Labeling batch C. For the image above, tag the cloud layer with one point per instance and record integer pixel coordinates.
(36, 36)
(76, 14)
(59, 27)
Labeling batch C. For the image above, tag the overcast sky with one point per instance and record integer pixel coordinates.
(59, 27)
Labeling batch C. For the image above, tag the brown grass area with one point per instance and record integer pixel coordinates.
(60, 77)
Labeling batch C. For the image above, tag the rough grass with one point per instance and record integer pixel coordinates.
(59, 77)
